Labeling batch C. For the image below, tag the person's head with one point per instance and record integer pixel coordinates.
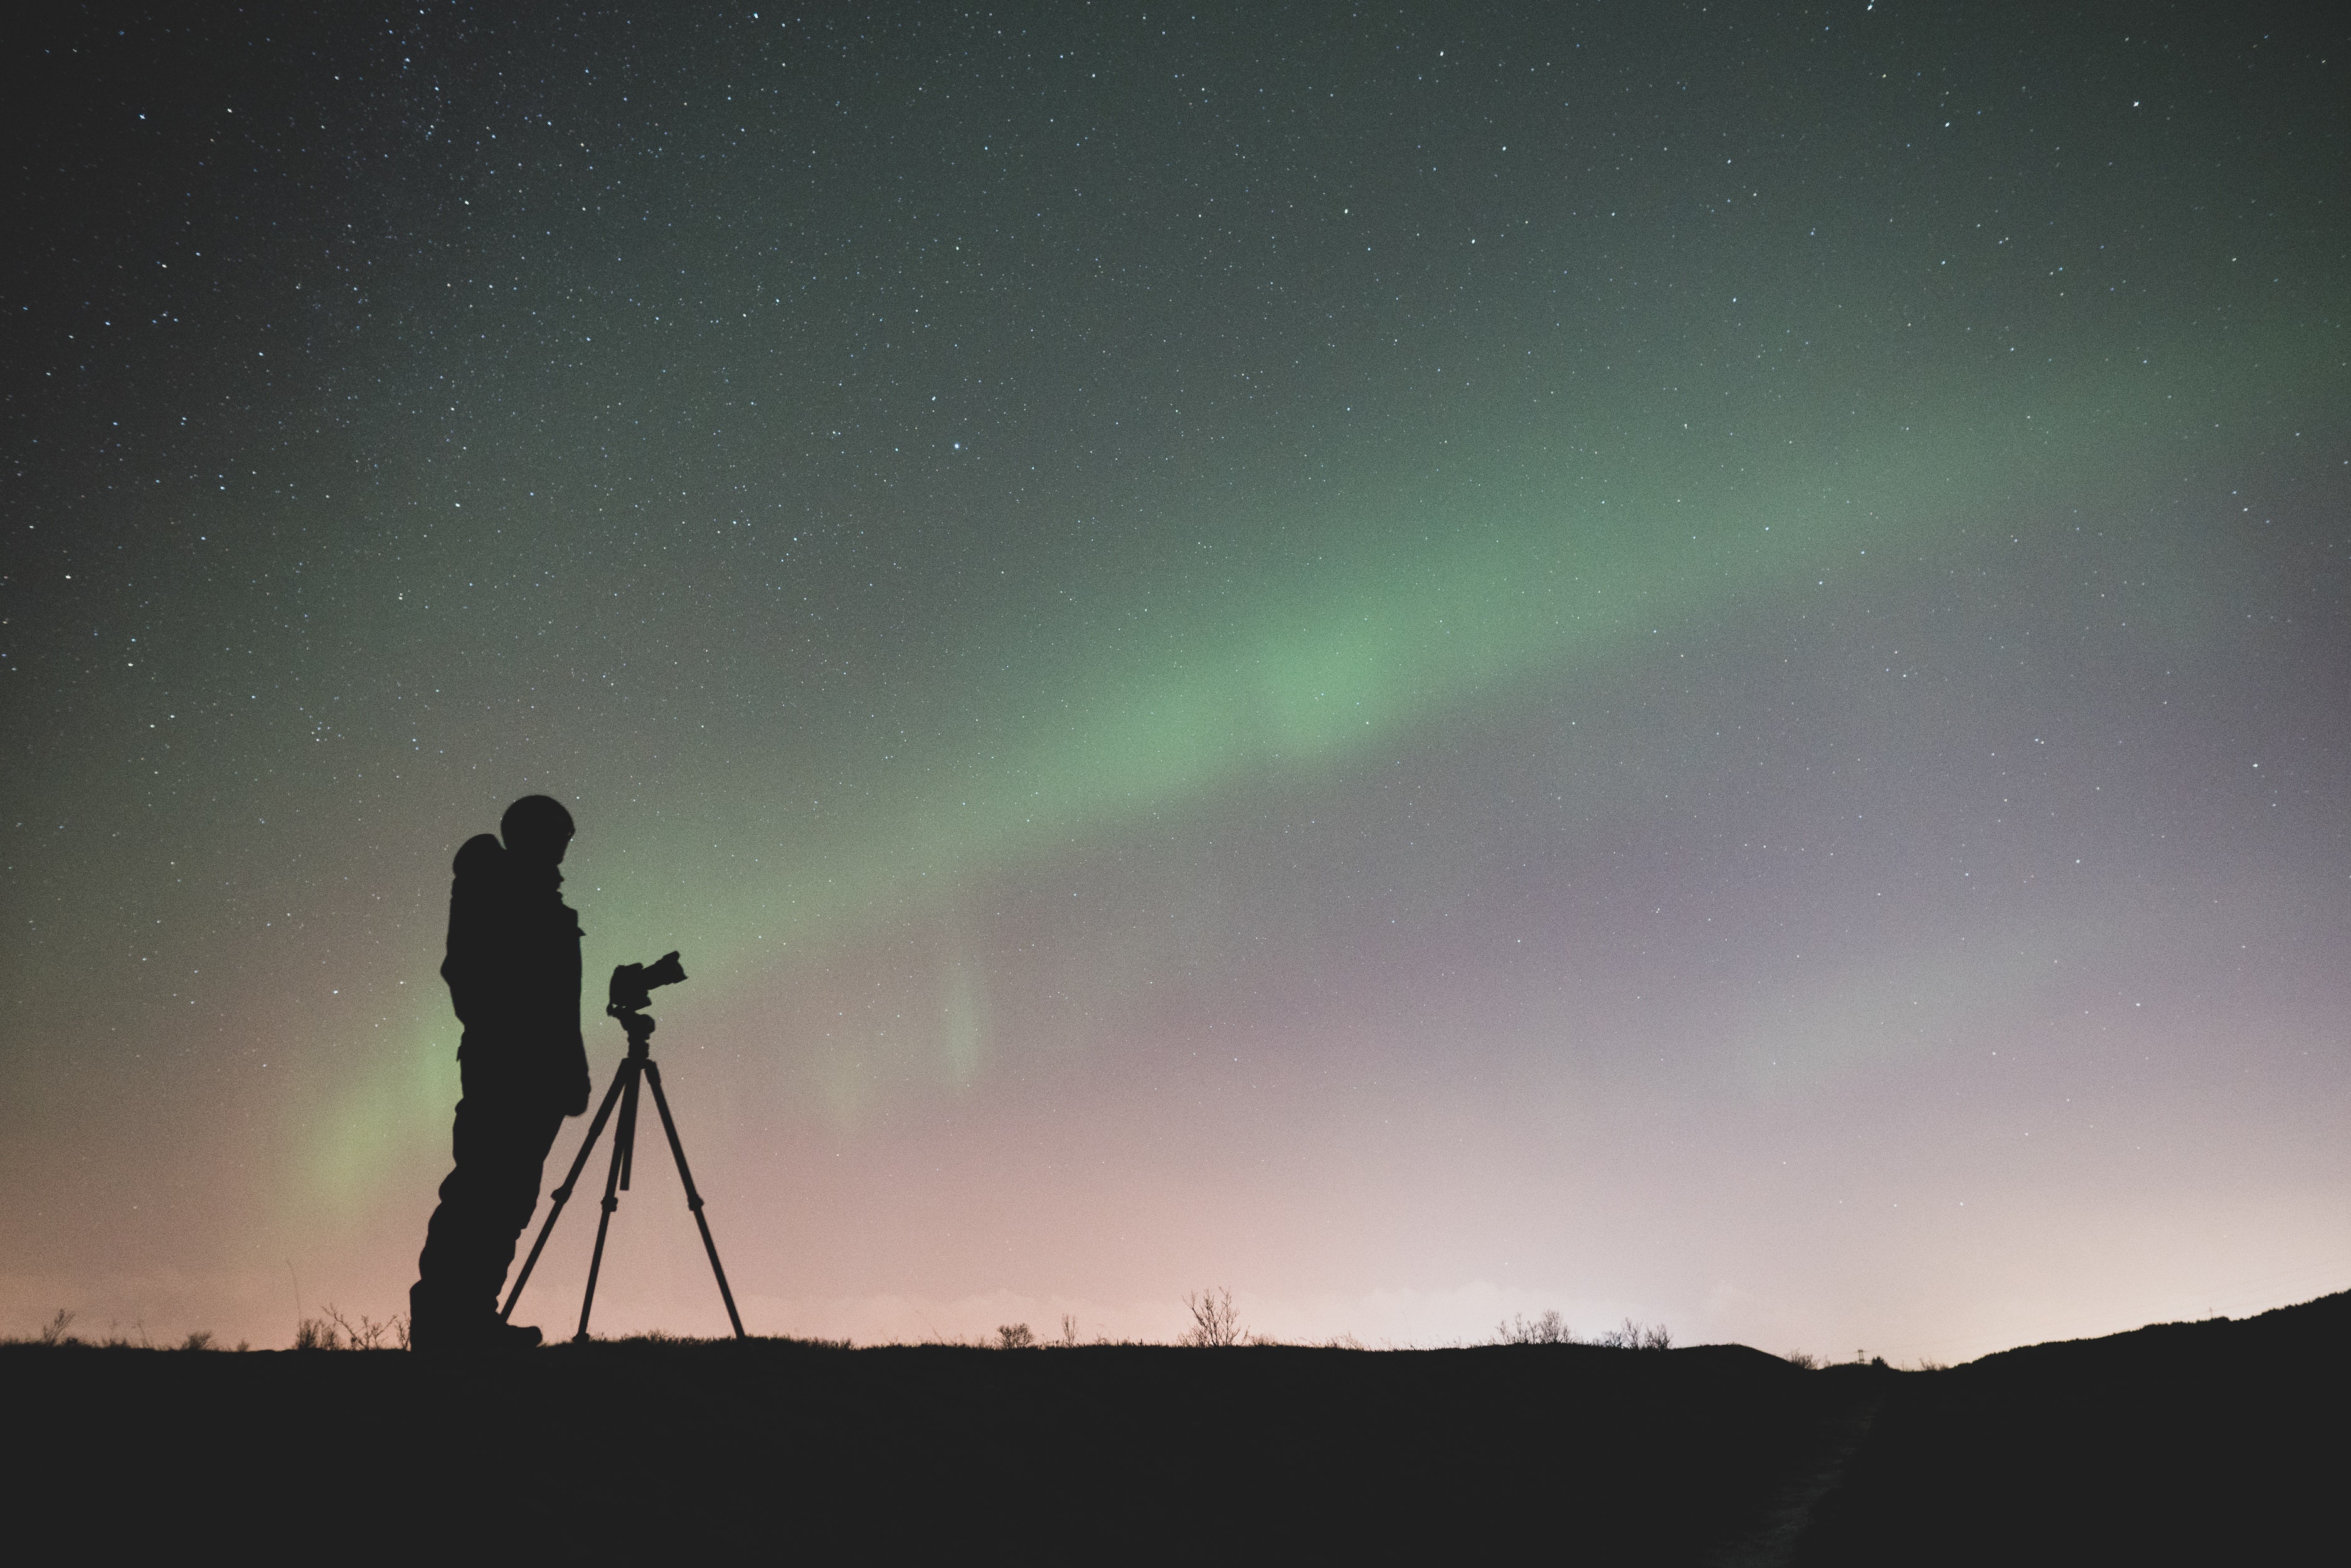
(537, 829)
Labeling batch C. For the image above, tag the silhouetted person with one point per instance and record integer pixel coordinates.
(513, 970)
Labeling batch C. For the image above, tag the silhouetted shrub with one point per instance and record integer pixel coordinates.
(54, 1331)
(1014, 1336)
(365, 1334)
(198, 1339)
(1215, 1323)
(1635, 1336)
(1548, 1329)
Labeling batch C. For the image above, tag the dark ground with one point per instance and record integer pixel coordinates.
(2190, 1442)
(1106, 1453)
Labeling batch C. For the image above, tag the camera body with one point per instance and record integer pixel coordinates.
(633, 984)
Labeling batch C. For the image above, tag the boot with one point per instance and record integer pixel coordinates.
(436, 1328)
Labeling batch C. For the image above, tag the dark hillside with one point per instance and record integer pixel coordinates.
(2201, 1442)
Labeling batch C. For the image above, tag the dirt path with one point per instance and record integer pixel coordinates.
(1771, 1544)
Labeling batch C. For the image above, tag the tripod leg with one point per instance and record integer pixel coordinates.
(562, 1195)
(623, 1136)
(628, 1135)
(693, 1198)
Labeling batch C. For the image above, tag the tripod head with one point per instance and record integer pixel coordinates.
(631, 992)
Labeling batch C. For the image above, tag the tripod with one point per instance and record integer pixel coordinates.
(636, 1066)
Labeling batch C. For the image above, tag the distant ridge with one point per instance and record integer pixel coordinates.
(2312, 1320)
(2212, 1441)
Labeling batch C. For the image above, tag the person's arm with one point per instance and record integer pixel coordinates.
(571, 1045)
(578, 1086)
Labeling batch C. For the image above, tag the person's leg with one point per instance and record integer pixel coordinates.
(500, 1148)
(524, 1136)
(451, 1300)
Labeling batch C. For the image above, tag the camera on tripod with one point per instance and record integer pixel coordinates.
(633, 984)
(631, 991)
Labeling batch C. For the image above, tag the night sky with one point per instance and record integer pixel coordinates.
(1426, 661)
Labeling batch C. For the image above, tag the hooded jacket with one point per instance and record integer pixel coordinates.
(513, 969)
